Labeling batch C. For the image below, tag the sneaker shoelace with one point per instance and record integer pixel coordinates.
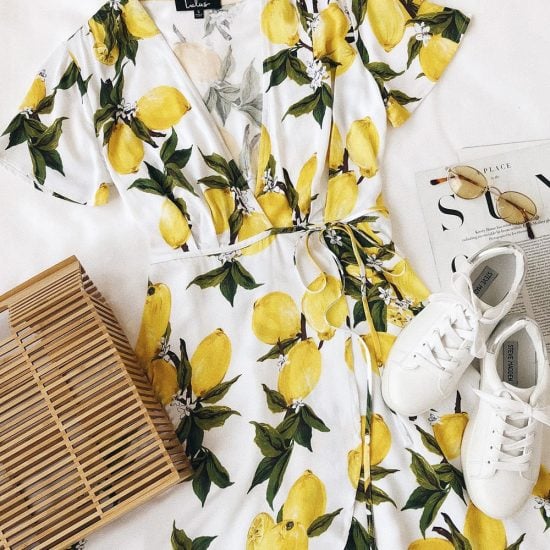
(516, 423)
(457, 330)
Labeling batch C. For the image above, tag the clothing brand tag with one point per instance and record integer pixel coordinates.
(198, 6)
(510, 362)
(484, 281)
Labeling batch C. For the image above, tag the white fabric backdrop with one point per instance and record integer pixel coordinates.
(496, 90)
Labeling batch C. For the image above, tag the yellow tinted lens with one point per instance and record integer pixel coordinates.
(467, 182)
(516, 208)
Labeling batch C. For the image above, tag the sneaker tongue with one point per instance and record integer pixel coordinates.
(523, 393)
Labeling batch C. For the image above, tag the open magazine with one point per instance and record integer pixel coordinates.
(457, 228)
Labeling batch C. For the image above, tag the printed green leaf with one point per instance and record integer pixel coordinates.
(516, 545)
(45, 107)
(180, 157)
(101, 116)
(235, 223)
(49, 140)
(275, 61)
(148, 186)
(218, 164)
(303, 434)
(359, 8)
(53, 161)
(212, 278)
(425, 475)
(379, 496)
(363, 52)
(268, 440)
(179, 540)
(459, 541)
(275, 401)
(83, 84)
(201, 484)
(142, 132)
(69, 77)
(218, 392)
(378, 310)
(276, 477)
(184, 428)
(242, 277)
(383, 71)
(322, 523)
(38, 164)
(312, 420)
(288, 427)
(15, 123)
(431, 509)
(377, 472)
(202, 543)
(304, 106)
(429, 441)
(402, 98)
(34, 128)
(413, 50)
(281, 348)
(296, 70)
(184, 369)
(207, 418)
(216, 472)
(359, 538)
(418, 498)
(169, 147)
(228, 288)
(18, 135)
(263, 471)
(215, 182)
(290, 192)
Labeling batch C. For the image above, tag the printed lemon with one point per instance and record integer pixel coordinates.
(302, 371)
(366, 227)
(324, 305)
(101, 52)
(542, 487)
(154, 322)
(280, 22)
(162, 107)
(137, 20)
(385, 341)
(431, 544)
(303, 185)
(355, 459)
(387, 19)
(363, 144)
(254, 224)
(436, 55)
(260, 525)
(275, 318)
(36, 93)
(329, 37)
(397, 114)
(380, 439)
(264, 152)
(173, 225)
(336, 148)
(102, 194)
(125, 150)
(306, 501)
(286, 535)
(276, 208)
(200, 62)
(164, 379)
(448, 432)
(381, 206)
(342, 195)
(210, 362)
(403, 277)
(222, 204)
(483, 532)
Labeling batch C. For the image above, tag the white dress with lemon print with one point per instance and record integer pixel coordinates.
(248, 144)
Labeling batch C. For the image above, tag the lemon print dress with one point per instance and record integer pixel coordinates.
(248, 143)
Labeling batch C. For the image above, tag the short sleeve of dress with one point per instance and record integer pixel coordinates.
(406, 45)
(50, 139)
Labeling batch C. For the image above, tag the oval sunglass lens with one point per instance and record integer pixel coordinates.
(516, 208)
(467, 182)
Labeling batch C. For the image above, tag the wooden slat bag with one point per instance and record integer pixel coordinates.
(82, 438)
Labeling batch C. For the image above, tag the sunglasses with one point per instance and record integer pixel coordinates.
(511, 206)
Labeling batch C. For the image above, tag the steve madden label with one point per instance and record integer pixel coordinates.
(484, 280)
(198, 6)
(510, 362)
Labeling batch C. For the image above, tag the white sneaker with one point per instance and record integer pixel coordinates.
(435, 348)
(502, 445)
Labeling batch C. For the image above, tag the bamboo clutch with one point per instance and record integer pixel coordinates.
(82, 438)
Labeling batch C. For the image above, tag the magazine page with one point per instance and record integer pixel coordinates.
(457, 227)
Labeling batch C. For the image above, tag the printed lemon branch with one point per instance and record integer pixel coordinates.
(180, 541)
(359, 537)
(195, 400)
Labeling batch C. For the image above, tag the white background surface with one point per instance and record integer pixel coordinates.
(496, 90)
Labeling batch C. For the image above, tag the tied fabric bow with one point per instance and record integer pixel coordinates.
(514, 450)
